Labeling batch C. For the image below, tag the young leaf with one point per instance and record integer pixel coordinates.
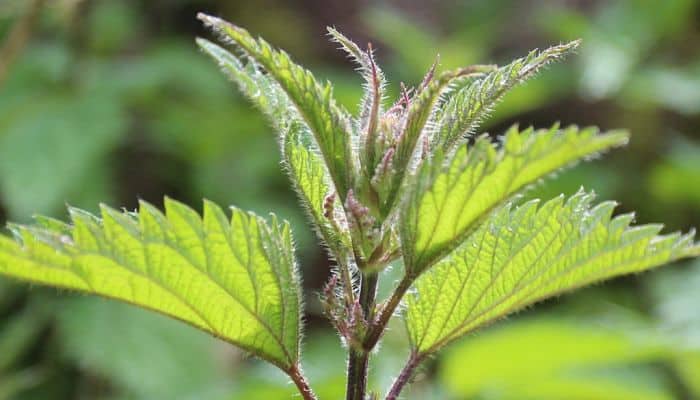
(329, 124)
(525, 254)
(361, 57)
(260, 89)
(375, 81)
(371, 104)
(235, 279)
(463, 111)
(419, 112)
(308, 173)
(315, 190)
(448, 200)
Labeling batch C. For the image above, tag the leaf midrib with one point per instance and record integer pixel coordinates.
(205, 274)
(527, 297)
(461, 237)
(526, 242)
(214, 332)
(247, 266)
(508, 262)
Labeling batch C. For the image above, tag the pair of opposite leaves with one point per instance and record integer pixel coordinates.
(475, 256)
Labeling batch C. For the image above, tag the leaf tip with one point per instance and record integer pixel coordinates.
(621, 136)
(207, 19)
(201, 42)
(574, 44)
(217, 24)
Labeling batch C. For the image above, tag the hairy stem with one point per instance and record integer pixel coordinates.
(368, 293)
(377, 329)
(358, 360)
(358, 364)
(346, 276)
(404, 377)
(301, 383)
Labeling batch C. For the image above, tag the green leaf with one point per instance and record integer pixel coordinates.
(371, 104)
(307, 171)
(450, 199)
(359, 56)
(687, 366)
(235, 279)
(465, 109)
(315, 190)
(525, 254)
(259, 88)
(419, 112)
(375, 81)
(556, 358)
(329, 124)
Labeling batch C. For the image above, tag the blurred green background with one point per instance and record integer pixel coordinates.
(110, 101)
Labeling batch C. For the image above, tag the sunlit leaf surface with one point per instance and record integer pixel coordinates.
(329, 124)
(449, 199)
(234, 278)
(520, 255)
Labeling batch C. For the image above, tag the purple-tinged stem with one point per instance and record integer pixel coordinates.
(404, 377)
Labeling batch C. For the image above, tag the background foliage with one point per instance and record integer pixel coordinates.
(109, 100)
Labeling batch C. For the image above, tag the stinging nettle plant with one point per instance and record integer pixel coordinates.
(407, 182)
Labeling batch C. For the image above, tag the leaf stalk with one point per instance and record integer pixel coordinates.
(301, 383)
(404, 377)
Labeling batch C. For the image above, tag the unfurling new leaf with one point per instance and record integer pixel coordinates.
(308, 172)
(419, 111)
(465, 108)
(375, 82)
(329, 124)
(258, 87)
(234, 278)
(310, 178)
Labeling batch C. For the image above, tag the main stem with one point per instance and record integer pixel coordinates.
(358, 359)
(377, 329)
